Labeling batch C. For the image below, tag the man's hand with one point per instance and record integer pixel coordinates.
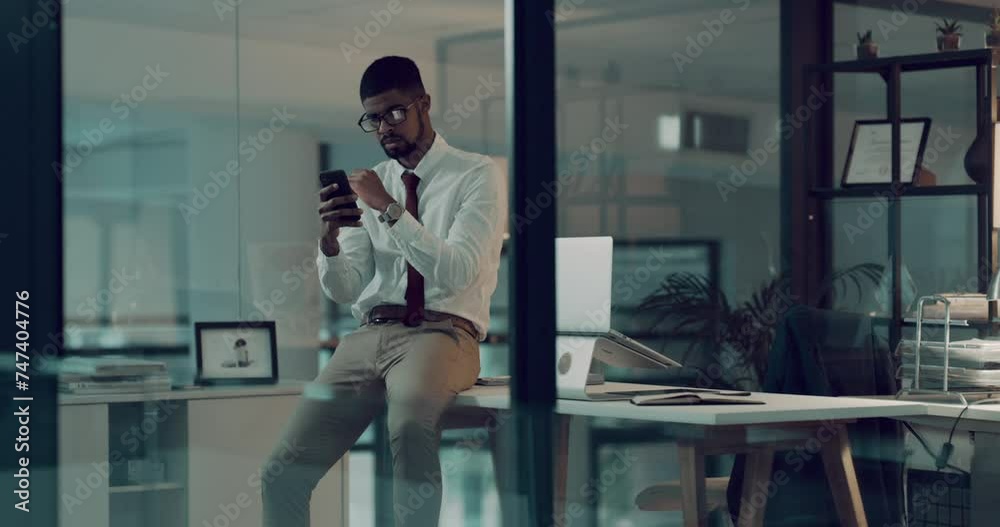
(366, 184)
(334, 219)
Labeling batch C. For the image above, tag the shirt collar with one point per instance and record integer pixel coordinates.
(426, 168)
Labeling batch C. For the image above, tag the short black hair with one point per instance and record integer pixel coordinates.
(391, 73)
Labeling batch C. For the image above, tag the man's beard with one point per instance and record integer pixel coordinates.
(406, 148)
(402, 151)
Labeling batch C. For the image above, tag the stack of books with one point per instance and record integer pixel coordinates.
(112, 374)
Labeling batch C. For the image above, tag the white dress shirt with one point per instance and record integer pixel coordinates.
(462, 204)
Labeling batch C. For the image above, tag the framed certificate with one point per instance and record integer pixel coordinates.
(869, 158)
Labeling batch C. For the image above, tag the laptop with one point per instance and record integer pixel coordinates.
(583, 318)
(583, 300)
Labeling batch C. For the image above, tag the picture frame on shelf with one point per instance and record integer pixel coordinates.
(236, 352)
(869, 156)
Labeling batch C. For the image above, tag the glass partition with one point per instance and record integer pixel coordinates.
(150, 177)
(194, 138)
(667, 143)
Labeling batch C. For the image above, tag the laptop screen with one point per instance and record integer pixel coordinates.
(583, 284)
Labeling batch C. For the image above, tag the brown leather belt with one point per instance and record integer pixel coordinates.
(385, 313)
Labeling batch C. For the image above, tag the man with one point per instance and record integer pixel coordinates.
(419, 268)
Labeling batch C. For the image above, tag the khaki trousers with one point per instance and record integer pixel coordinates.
(414, 371)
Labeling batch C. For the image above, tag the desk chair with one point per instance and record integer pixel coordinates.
(668, 496)
(815, 352)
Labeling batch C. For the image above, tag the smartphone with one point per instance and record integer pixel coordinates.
(329, 177)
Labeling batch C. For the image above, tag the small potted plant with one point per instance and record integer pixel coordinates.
(950, 38)
(993, 35)
(867, 48)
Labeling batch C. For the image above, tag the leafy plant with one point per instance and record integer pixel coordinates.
(995, 19)
(949, 27)
(688, 303)
(866, 38)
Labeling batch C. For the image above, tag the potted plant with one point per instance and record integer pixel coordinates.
(993, 35)
(867, 48)
(950, 38)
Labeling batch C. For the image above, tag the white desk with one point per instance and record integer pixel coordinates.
(778, 408)
(986, 415)
(758, 430)
(215, 420)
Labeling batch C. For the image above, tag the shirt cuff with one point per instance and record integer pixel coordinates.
(406, 229)
(325, 264)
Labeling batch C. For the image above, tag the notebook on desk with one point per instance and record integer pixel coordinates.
(691, 398)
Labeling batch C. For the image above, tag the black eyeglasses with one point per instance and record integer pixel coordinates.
(370, 122)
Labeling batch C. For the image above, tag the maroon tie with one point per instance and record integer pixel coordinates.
(414, 280)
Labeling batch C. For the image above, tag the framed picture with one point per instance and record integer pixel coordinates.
(236, 352)
(869, 158)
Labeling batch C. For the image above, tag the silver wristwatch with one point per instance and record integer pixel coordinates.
(392, 213)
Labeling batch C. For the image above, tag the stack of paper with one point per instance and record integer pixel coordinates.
(684, 399)
(112, 374)
(972, 364)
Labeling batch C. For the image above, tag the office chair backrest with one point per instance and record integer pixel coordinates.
(828, 353)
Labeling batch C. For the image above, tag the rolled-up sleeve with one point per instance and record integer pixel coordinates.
(453, 263)
(345, 276)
